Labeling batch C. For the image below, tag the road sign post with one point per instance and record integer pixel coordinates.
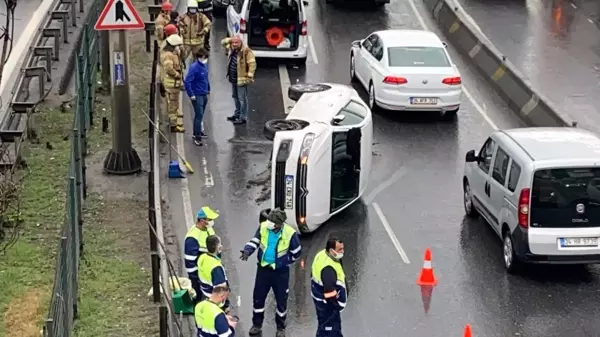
(117, 17)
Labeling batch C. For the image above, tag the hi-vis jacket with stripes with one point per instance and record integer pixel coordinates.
(288, 247)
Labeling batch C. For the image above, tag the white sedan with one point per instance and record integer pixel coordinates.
(406, 70)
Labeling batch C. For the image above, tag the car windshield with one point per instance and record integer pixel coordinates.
(417, 57)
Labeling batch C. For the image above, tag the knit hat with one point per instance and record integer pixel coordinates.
(277, 216)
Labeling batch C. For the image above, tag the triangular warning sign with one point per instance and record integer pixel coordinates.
(119, 14)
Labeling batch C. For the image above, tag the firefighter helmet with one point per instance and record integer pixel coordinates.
(170, 29)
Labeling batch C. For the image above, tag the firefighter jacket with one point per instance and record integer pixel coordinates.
(170, 63)
(193, 28)
(287, 246)
(246, 62)
(161, 21)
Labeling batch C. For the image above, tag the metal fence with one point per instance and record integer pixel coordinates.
(63, 305)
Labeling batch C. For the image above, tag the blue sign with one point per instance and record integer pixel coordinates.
(236, 27)
(119, 68)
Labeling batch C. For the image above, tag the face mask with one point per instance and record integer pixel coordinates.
(192, 10)
(210, 223)
(220, 249)
(270, 225)
(338, 256)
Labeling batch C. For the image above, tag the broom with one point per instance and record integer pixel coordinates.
(187, 165)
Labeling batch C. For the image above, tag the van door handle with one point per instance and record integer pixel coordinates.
(487, 189)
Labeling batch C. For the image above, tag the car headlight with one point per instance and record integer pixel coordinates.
(306, 146)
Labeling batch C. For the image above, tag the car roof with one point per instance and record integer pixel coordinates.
(409, 38)
(322, 106)
(558, 143)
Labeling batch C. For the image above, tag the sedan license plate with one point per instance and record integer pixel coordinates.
(289, 192)
(423, 100)
(579, 242)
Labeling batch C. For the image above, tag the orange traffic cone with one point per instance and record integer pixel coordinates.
(467, 331)
(427, 278)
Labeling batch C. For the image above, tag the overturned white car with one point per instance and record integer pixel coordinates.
(321, 153)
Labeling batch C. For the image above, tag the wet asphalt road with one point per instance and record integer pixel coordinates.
(554, 43)
(423, 208)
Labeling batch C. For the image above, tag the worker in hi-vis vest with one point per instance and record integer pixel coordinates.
(278, 247)
(328, 288)
(195, 244)
(211, 271)
(211, 320)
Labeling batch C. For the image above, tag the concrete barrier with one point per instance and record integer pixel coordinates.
(468, 39)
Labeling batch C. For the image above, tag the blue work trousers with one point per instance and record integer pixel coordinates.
(240, 97)
(329, 320)
(199, 105)
(196, 286)
(267, 279)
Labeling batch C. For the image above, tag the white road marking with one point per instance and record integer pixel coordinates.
(284, 79)
(313, 51)
(17, 55)
(391, 234)
(208, 178)
(185, 187)
(387, 183)
(467, 93)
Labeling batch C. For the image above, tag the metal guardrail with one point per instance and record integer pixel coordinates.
(38, 64)
(63, 304)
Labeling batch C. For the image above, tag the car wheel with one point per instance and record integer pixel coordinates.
(372, 101)
(511, 261)
(352, 68)
(276, 125)
(297, 90)
(470, 210)
(263, 214)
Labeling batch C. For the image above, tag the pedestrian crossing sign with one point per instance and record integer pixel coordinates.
(119, 15)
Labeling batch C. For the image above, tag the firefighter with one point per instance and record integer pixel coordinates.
(278, 247)
(172, 80)
(162, 20)
(193, 26)
(206, 7)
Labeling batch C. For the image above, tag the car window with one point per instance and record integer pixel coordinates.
(377, 49)
(485, 155)
(368, 43)
(500, 166)
(417, 57)
(513, 177)
(354, 113)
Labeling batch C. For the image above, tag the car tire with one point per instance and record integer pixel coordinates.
(470, 209)
(301, 62)
(277, 125)
(372, 100)
(511, 261)
(352, 68)
(263, 214)
(297, 90)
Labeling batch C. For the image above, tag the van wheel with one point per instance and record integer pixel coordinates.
(297, 90)
(352, 68)
(300, 62)
(372, 101)
(276, 125)
(470, 210)
(262, 216)
(511, 261)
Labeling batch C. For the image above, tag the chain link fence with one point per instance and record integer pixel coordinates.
(63, 304)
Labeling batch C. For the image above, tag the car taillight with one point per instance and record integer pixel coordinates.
(524, 208)
(242, 26)
(394, 80)
(304, 28)
(452, 80)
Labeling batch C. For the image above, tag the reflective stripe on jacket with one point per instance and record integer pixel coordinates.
(193, 28)
(246, 62)
(321, 261)
(288, 246)
(211, 320)
(194, 246)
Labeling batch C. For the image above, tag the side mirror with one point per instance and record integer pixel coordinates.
(305, 3)
(356, 44)
(445, 44)
(471, 157)
(337, 119)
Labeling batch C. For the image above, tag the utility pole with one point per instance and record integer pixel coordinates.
(117, 17)
(122, 159)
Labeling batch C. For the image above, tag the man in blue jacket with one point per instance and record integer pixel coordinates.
(198, 88)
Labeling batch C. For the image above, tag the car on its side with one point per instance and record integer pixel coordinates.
(406, 70)
(539, 189)
(322, 153)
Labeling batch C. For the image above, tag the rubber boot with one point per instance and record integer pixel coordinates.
(255, 330)
(280, 333)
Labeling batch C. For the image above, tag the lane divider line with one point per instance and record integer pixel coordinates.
(530, 105)
(185, 187)
(391, 234)
(313, 51)
(499, 73)
(384, 185)
(475, 50)
(465, 90)
(284, 80)
(455, 26)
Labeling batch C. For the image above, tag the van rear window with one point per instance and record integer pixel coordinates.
(568, 197)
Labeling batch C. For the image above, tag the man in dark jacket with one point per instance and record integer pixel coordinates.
(198, 88)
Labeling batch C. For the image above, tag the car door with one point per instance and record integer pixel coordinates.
(372, 59)
(363, 53)
(480, 176)
(497, 185)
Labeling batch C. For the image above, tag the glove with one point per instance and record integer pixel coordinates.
(244, 256)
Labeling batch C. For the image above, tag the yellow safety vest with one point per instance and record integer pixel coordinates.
(200, 236)
(323, 260)
(283, 245)
(205, 314)
(206, 264)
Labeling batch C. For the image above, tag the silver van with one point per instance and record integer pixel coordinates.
(539, 189)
